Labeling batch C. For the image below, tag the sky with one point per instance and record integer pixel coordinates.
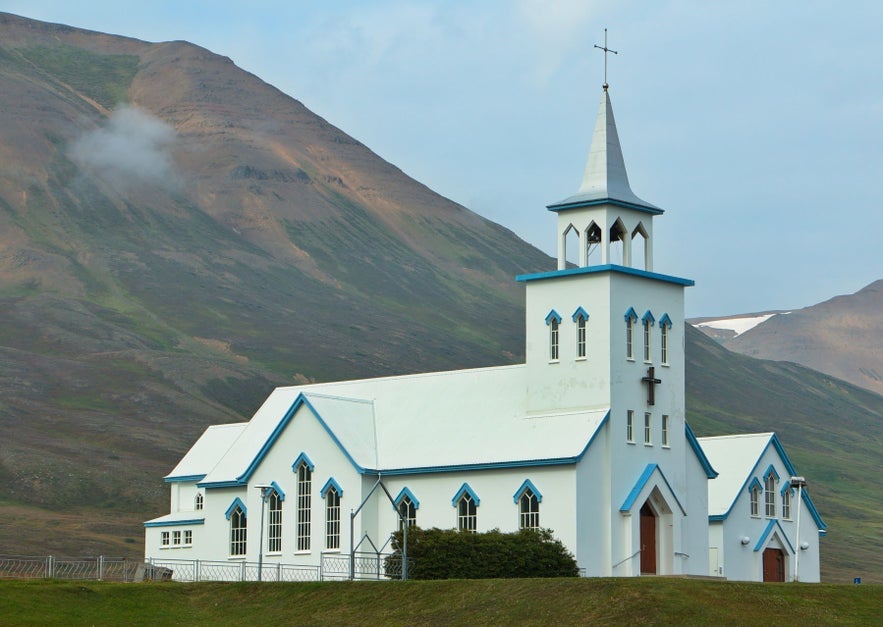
(756, 125)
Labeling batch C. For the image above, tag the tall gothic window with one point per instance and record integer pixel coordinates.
(786, 504)
(648, 428)
(332, 519)
(238, 530)
(553, 340)
(529, 510)
(274, 524)
(630, 426)
(663, 341)
(304, 505)
(755, 500)
(199, 500)
(769, 490)
(665, 430)
(467, 513)
(646, 339)
(580, 336)
(630, 338)
(408, 511)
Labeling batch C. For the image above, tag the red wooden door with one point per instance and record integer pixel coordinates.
(773, 565)
(648, 541)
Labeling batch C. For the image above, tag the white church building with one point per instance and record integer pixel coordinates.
(587, 438)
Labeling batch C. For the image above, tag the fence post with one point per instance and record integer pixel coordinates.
(242, 571)
(321, 567)
(100, 564)
(196, 570)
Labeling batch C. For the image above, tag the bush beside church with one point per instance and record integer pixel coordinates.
(451, 554)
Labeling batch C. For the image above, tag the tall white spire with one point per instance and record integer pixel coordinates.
(605, 177)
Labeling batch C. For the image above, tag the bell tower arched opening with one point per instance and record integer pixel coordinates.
(618, 252)
(640, 246)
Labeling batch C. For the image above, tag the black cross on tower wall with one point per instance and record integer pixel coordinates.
(651, 382)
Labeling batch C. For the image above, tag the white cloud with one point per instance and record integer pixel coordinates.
(132, 148)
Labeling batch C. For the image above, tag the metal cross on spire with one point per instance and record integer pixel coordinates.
(606, 50)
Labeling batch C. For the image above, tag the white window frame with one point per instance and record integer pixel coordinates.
(769, 490)
(409, 511)
(528, 510)
(647, 354)
(754, 499)
(188, 537)
(580, 337)
(199, 501)
(304, 506)
(630, 426)
(274, 522)
(165, 538)
(630, 339)
(238, 532)
(332, 519)
(648, 429)
(786, 504)
(176, 537)
(665, 421)
(467, 513)
(663, 342)
(554, 340)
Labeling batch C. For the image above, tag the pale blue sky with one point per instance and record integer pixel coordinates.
(757, 126)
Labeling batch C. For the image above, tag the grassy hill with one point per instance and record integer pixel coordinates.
(644, 601)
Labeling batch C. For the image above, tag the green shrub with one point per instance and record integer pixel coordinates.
(449, 554)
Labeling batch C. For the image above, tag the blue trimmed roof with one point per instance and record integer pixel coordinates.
(773, 524)
(608, 267)
(642, 481)
(710, 472)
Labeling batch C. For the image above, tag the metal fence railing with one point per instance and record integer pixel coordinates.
(96, 568)
(332, 566)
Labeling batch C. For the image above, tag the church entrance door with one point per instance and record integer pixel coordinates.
(648, 541)
(773, 565)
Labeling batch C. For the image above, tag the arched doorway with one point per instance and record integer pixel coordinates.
(773, 565)
(648, 540)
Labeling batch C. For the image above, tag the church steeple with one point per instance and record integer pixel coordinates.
(605, 211)
(605, 177)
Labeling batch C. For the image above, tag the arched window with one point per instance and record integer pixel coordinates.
(274, 522)
(664, 326)
(754, 497)
(786, 503)
(769, 490)
(407, 505)
(630, 318)
(466, 502)
(332, 518)
(238, 530)
(408, 512)
(528, 499)
(199, 501)
(303, 468)
(580, 317)
(553, 320)
(647, 322)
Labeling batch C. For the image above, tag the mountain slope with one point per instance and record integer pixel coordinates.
(842, 337)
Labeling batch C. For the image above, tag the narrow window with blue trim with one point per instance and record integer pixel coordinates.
(199, 501)
(274, 522)
(664, 325)
(580, 317)
(769, 490)
(554, 321)
(528, 499)
(647, 322)
(238, 530)
(332, 519)
(304, 471)
(630, 318)
(466, 502)
(407, 504)
(786, 503)
(754, 498)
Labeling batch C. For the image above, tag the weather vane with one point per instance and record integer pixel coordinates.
(606, 50)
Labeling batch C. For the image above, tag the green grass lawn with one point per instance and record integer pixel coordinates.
(457, 602)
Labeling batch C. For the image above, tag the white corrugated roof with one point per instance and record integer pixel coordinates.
(423, 421)
(734, 457)
(208, 450)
